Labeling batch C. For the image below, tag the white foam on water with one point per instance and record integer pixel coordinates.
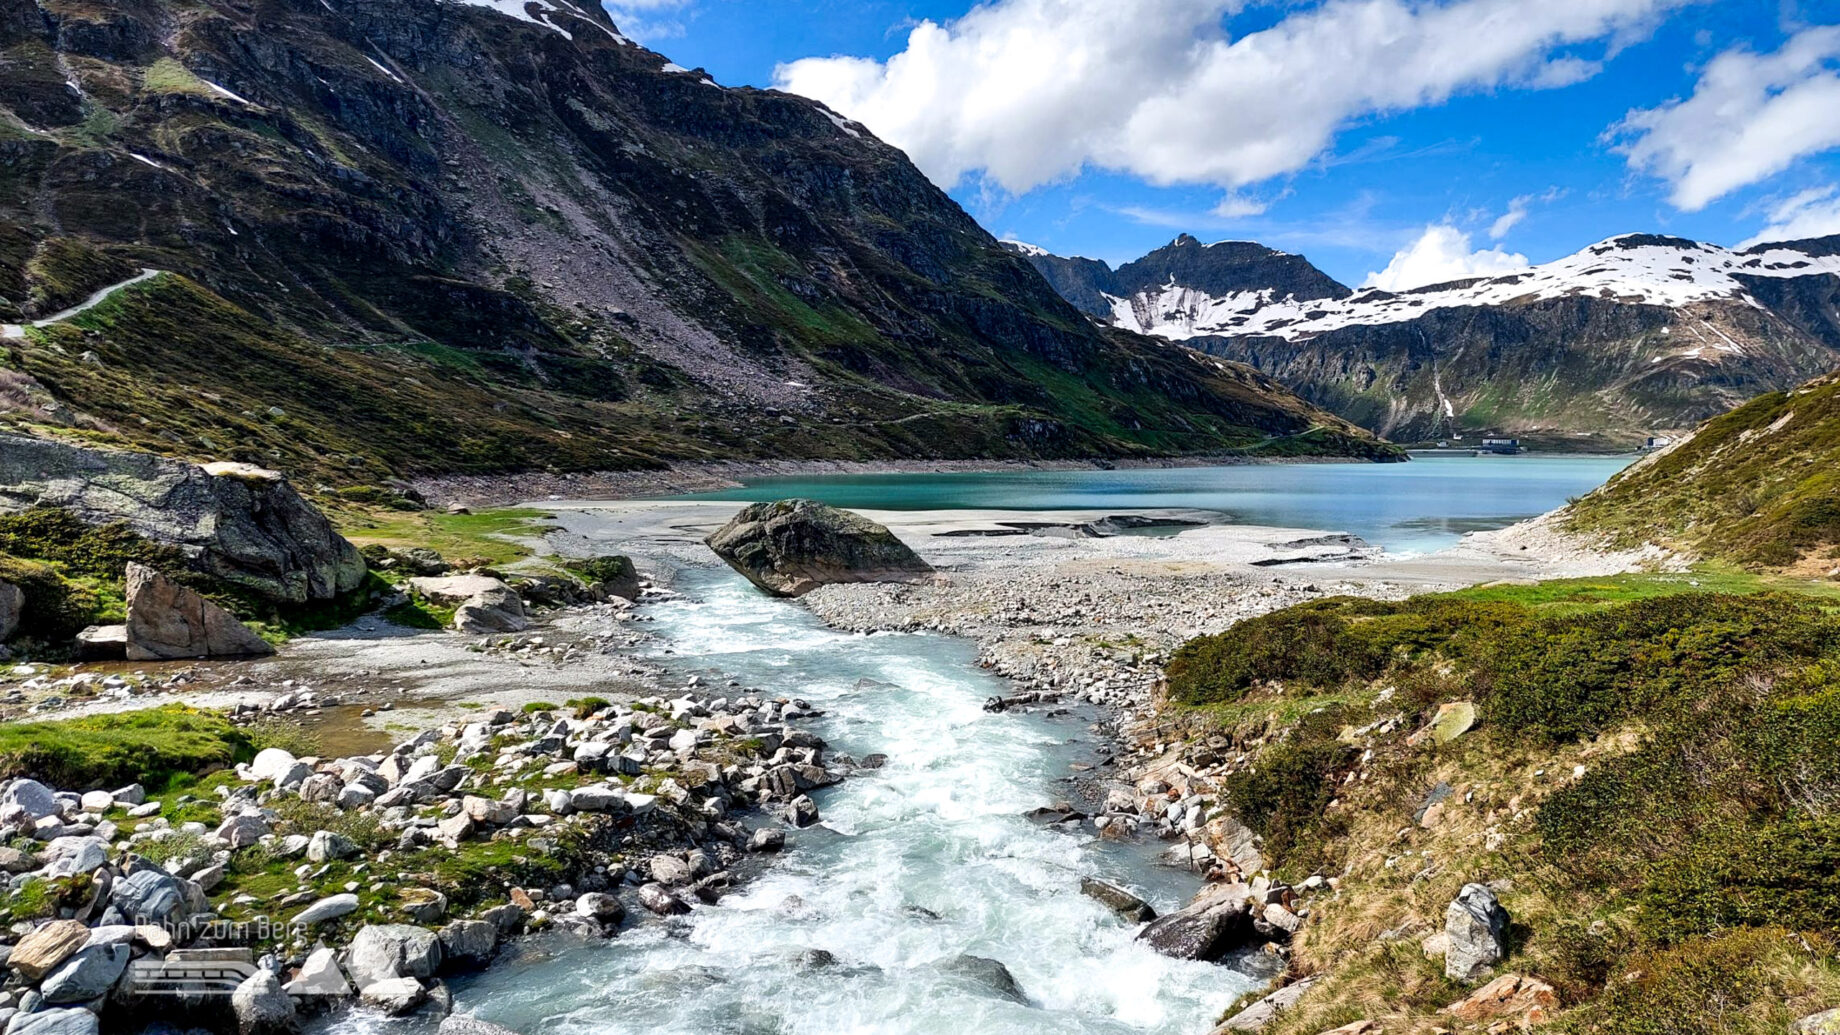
(913, 864)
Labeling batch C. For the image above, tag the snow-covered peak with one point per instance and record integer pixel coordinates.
(1642, 269)
(1025, 248)
(559, 15)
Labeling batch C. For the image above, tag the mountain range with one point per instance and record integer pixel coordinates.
(1631, 337)
(375, 238)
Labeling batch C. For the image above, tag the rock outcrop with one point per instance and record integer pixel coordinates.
(242, 524)
(791, 547)
(481, 603)
(1477, 927)
(168, 621)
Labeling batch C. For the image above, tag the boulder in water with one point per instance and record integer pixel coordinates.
(792, 547)
(990, 974)
(1218, 922)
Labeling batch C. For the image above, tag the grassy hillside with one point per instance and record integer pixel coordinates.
(1648, 787)
(1759, 486)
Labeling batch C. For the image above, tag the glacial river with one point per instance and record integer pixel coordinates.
(914, 864)
(931, 857)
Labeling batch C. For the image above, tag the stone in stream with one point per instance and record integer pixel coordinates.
(791, 547)
(660, 900)
(64, 1021)
(384, 951)
(394, 996)
(803, 812)
(988, 973)
(260, 1005)
(1218, 922)
(1117, 899)
(1477, 926)
(168, 621)
(469, 941)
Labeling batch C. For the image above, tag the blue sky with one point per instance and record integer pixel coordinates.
(1374, 136)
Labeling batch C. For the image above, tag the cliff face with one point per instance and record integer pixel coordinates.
(426, 236)
(1634, 336)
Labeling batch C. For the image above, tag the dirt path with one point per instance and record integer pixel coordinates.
(18, 330)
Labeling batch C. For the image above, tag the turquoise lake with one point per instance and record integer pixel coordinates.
(1423, 505)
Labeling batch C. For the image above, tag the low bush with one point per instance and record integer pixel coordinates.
(1737, 983)
(1284, 794)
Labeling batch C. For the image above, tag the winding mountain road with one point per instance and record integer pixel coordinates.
(18, 330)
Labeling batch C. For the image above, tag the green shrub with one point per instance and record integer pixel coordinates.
(533, 707)
(1284, 794)
(1324, 644)
(149, 746)
(1733, 984)
(1565, 678)
(1783, 875)
(586, 706)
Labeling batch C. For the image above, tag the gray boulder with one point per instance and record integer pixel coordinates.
(103, 643)
(791, 547)
(240, 523)
(482, 604)
(329, 908)
(989, 974)
(1218, 922)
(87, 974)
(1266, 1010)
(261, 1006)
(149, 897)
(32, 796)
(66, 1021)
(469, 941)
(384, 951)
(326, 846)
(394, 996)
(1117, 899)
(1477, 926)
(168, 621)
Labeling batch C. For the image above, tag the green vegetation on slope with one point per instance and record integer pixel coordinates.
(1651, 783)
(1759, 486)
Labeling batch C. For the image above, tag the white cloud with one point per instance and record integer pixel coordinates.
(1442, 253)
(1812, 213)
(1238, 206)
(1751, 115)
(1517, 211)
(1032, 91)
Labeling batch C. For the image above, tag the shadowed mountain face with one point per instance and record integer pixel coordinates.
(1633, 336)
(418, 236)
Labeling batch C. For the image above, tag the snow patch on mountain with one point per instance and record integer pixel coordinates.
(1633, 268)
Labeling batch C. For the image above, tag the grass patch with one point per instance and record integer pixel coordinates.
(489, 538)
(150, 746)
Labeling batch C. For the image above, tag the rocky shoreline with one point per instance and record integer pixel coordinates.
(567, 820)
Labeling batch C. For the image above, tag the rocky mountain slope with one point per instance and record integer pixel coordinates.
(436, 235)
(1632, 336)
(1757, 486)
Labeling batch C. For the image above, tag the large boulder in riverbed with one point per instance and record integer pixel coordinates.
(1217, 922)
(792, 547)
(481, 603)
(167, 621)
(239, 523)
